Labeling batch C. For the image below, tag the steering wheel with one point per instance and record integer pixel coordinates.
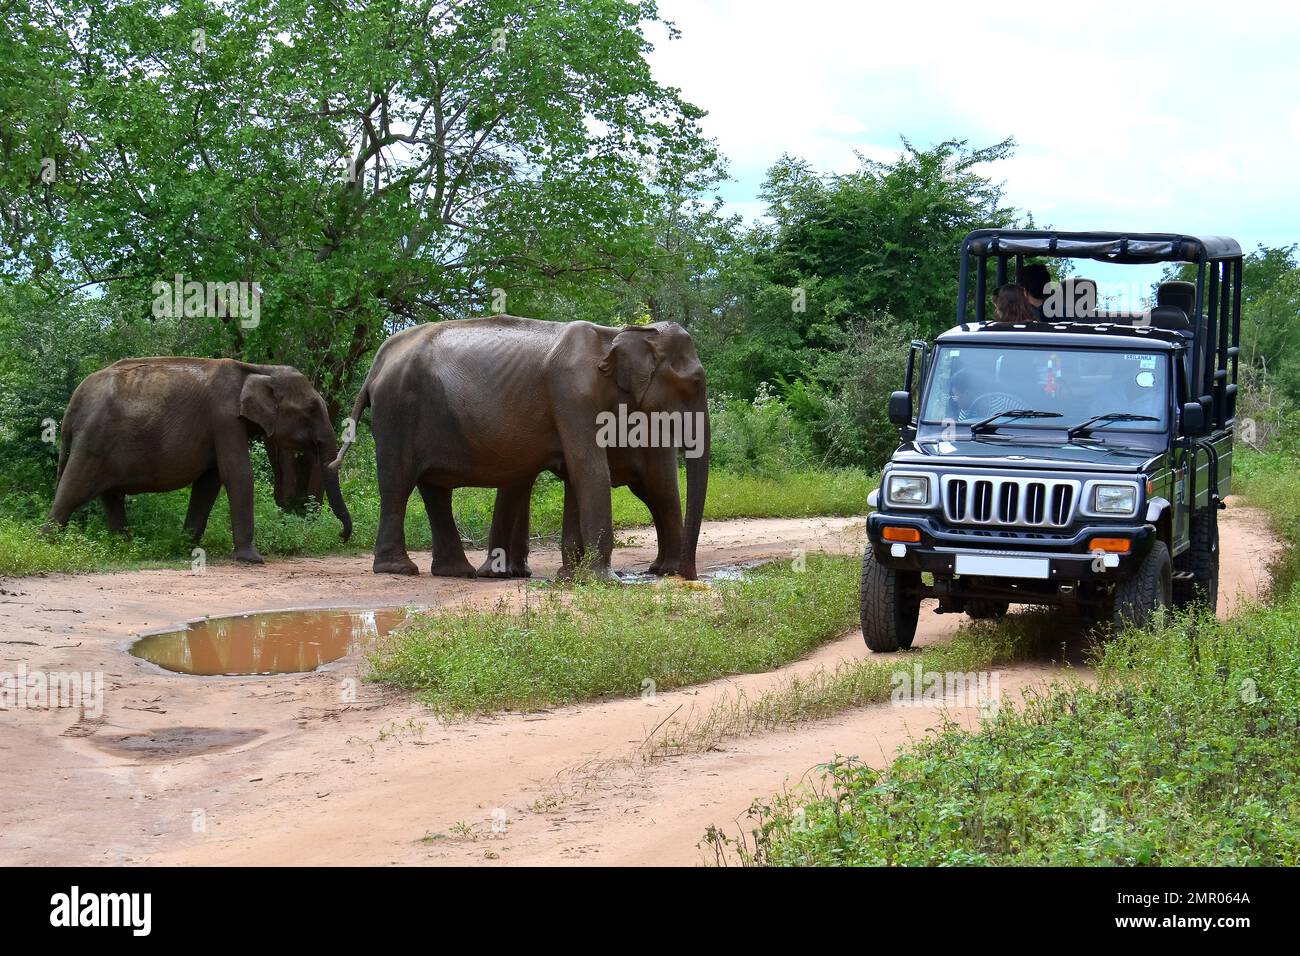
(990, 403)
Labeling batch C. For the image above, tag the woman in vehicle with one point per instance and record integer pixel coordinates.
(1011, 304)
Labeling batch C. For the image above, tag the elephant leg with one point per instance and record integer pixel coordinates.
(589, 480)
(659, 492)
(571, 549)
(203, 495)
(449, 559)
(395, 489)
(507, 555)
(77, 485)
(114, 503)
(236, 471)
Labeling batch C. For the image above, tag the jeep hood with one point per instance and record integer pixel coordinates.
(1010, 453)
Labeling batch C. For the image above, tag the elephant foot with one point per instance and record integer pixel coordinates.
(402, 565)
(249, 556)
(666, 567)
(452, 568)
(513, 570)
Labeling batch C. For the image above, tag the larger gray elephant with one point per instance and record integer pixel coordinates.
(158, 424)
(494, 402)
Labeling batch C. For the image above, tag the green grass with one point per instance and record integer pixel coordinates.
(1183, 754)
(594, 640)
(1268, 481)
(824, 693)
(156, 536)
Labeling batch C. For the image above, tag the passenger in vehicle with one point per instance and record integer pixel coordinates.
(1011, 303)
(964, 390)
(1034, 278)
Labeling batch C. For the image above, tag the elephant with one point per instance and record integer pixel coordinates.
(158, 424)
(651, 473)
(493, 402)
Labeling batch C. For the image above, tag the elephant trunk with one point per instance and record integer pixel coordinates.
(697, 487)
(333, 493)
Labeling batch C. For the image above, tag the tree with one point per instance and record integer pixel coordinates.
(884, 239)
(368, 164)
(843, 253)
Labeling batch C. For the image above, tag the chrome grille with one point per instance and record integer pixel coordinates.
(1012, 502)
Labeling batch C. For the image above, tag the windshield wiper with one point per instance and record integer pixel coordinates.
(1082, 427)
(1010, 413)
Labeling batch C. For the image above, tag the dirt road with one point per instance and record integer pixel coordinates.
(279, 770)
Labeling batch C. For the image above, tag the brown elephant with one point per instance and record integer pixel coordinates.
(494, 402)
(650, 473)
(158, 424)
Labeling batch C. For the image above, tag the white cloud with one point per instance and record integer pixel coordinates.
(1128, 116)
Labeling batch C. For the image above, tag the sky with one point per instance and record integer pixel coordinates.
(1162, 117)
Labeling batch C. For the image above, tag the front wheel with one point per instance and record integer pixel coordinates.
(889, 604)
(1148, 591)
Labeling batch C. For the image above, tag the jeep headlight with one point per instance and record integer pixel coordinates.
(910, 490)
(1114, 499)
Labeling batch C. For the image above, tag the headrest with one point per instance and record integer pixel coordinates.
(1073, 298)
(1170, 317)
(1177, 293)
(1083, 293)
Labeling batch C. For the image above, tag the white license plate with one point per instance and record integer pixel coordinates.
(999, 567)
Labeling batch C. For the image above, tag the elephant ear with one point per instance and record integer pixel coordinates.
(257, 402)
(631, 359)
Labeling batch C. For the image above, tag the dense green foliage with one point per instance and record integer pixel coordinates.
(587, 641)
(1183, 754)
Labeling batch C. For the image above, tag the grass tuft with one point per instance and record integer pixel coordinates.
(590, 641)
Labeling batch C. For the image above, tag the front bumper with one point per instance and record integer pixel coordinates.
(1069, 559)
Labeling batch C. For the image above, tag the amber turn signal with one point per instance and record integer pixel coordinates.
(1111, 545)
(901, 534)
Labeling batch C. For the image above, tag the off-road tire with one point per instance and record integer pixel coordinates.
(889, 605)
(984, 610)
(1202, 560)
(1138, 598)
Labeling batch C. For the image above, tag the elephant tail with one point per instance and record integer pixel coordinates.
(358, 409)
(65, 449)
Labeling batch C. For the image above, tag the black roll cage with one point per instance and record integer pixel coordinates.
(1218, 261)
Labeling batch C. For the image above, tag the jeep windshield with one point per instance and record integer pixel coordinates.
(1120, 391)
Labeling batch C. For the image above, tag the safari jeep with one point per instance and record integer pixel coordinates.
(1078, 461)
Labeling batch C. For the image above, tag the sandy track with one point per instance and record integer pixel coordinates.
(280, 770)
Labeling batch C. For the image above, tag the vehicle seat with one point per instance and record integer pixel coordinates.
(1177, 293)
(1170, 317)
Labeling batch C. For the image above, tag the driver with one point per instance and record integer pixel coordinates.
(972, 398)
(964, 391)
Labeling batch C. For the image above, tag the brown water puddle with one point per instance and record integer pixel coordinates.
(275, 642)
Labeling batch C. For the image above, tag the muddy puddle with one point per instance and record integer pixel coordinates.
(274, 642)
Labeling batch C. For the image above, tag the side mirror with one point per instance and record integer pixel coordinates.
(1193, 419)
(900, 408)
